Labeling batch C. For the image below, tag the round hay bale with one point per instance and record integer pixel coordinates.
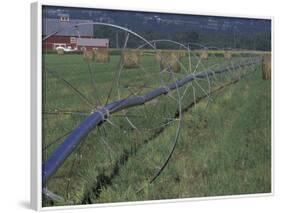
(181, 54)
(131, 58)
(60, 51)
(158, 56)
(204, 55)
(141, 52)
(88, 55)
(266, 66)
(227, 55)
(101, 55)
(170, 60)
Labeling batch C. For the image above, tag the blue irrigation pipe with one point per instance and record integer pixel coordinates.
(59, 155)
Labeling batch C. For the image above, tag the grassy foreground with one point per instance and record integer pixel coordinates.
(224, 149)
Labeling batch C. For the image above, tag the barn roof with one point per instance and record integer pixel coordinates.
(92, 42)
(51, 25)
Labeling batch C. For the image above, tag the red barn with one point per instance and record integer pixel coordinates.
(68, 36)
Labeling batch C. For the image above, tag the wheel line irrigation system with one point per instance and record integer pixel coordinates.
(97, 117)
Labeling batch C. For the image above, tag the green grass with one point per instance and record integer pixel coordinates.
(224, 149)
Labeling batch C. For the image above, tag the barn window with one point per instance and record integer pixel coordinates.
(64, 18)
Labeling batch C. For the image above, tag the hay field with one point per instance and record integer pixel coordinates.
(113, 169)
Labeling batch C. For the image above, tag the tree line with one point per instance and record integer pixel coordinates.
(250, 41)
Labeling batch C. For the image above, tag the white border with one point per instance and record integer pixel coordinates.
(36, 103)
(36, 106)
